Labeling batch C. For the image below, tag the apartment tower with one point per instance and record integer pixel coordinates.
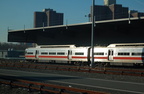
(48, 17)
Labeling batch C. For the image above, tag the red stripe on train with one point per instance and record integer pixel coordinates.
(100, 57)
(79, 57)
(53, 57)
(129, 58)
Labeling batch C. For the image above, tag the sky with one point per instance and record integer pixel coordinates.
(17, 14)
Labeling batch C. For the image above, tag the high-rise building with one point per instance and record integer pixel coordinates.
(102, 13)
(134, 13)
(113, 11)
(118, 11)
(109, 2)
(109, 11)
(48, 17)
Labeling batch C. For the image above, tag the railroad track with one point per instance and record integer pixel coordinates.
(43, 87)
(130, 72)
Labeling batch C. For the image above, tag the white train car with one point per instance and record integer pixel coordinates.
(130, 53)
(31, 54)
(100, 54)
(80, 54)
(68, 53)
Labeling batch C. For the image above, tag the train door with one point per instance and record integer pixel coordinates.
(36, 54)
(69, 55)
(110, 54)
(88, 55)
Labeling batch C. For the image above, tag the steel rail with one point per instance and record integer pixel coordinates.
(76, 69)
(56, 89)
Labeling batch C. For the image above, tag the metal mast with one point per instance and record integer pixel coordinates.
(92, 33)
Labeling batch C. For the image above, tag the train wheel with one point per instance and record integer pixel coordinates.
(77, 63)
(72, 63)
(101, 65)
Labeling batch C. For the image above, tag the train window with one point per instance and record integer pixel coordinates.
(52, 53)
(79, 53)
(99, 53)
(29, 52)
(44, 53)
(60, 53)
(121, 53)
(138, 54)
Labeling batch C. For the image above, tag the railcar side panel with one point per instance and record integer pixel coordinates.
(53, 54)
(80, 54)
(128, 55)
(101, 54)
(30, 54)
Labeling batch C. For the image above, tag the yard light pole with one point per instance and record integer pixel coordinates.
(92, 34)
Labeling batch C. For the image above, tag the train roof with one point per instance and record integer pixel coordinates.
(127, 45)
(56, 46)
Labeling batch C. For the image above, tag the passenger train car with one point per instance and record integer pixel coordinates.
(130, 53)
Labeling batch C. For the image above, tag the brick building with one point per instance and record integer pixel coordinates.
(48, 17)
(110, 10)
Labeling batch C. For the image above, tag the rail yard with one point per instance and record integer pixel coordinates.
(101, 80)
(102, 56)
(65, 69)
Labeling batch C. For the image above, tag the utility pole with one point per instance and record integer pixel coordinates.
(92, 34)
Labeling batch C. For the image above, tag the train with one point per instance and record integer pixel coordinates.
(113, 54)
